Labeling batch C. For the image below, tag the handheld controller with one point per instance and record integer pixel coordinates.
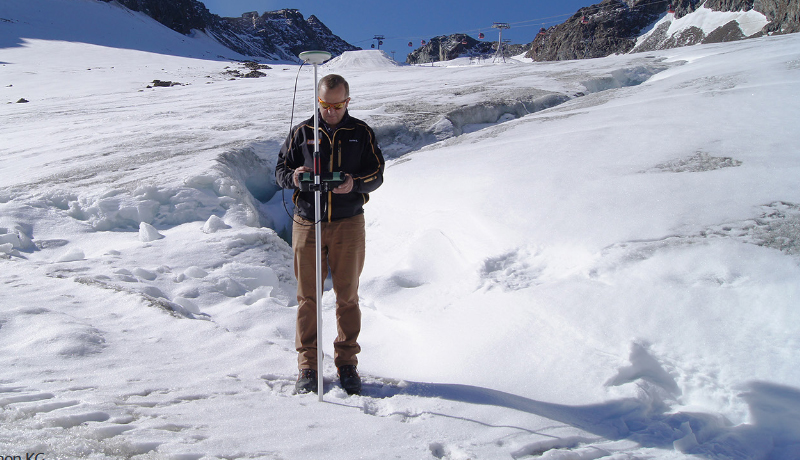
(328, 181)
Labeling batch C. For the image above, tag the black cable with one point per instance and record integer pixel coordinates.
(289, 137)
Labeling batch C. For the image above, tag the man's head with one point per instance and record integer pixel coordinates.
(333, 91)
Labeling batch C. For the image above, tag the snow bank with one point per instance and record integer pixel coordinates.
(360, 60)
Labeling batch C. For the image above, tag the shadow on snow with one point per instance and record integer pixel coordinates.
(773, 432)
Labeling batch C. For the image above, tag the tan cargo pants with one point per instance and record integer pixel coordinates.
(343, 249)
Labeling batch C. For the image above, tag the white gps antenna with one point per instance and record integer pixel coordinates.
(316, 58)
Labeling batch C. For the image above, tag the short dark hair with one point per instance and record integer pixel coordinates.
(333, 81)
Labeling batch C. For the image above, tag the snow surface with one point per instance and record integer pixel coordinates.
(568, 260)
(360, 60)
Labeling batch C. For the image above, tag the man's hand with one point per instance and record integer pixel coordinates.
(296, 175)
(346, 186)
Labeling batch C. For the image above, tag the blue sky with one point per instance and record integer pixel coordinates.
(403, 21)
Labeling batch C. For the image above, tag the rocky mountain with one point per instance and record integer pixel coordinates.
(615, 26)
(277, 35)
(179, 15)
(621, 26)
(447, 47)
(784, 15)
(609, 27)
(280, 35)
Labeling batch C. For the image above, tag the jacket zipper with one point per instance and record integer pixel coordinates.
(330, 169)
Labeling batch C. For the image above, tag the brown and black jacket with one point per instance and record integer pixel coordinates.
(351, 148)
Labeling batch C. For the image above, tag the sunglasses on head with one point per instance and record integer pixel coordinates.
(336, 106)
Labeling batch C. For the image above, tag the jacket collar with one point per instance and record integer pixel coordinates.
(345, 121)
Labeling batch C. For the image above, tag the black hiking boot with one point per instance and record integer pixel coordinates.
(351, 382)
(306, 382)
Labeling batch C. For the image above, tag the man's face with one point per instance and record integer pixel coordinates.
(336, 95)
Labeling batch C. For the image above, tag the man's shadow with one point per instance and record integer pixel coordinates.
(773, 432)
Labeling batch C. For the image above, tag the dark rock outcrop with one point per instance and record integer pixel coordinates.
(728, 33)
(613, 26)
(179, 15)
(784, 15)
(276, 35)
(447, 47)
(279, 35)
(729, 5)
(609, 27)
(164, 84)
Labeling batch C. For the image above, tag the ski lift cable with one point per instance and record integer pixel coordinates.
(467, 32)
(536, 22)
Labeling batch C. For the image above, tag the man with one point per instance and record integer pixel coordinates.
(347, 145)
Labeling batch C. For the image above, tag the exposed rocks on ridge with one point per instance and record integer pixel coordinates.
(608, 27)
(614, 26)
(276, 35)
(447, 47)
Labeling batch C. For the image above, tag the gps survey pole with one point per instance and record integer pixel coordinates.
(316, 58)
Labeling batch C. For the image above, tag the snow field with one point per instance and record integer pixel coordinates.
(611, 277)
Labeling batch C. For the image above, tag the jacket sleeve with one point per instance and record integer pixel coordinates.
(370, 176)
(287, 162)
